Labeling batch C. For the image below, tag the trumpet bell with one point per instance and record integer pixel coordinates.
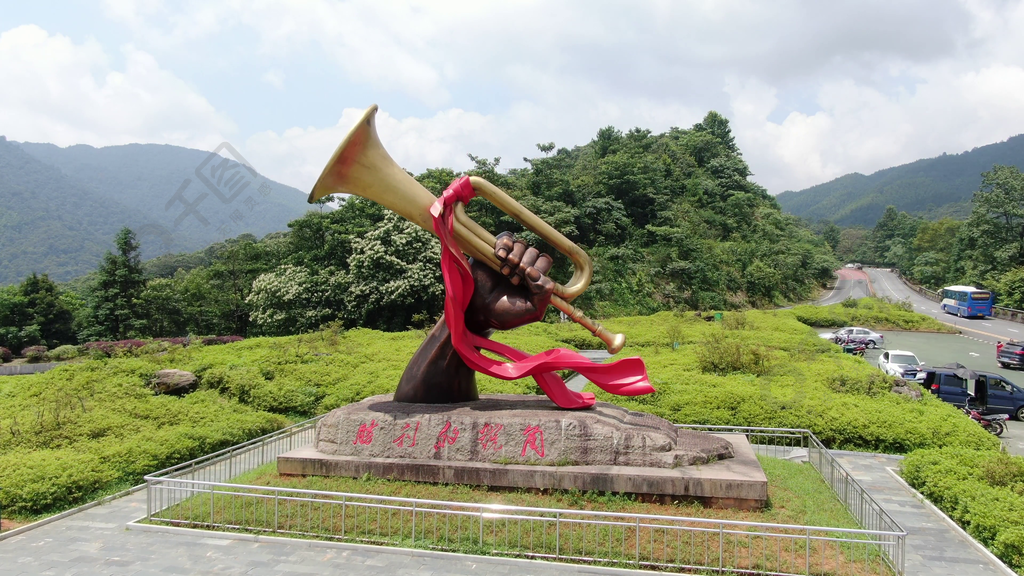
(361, 166)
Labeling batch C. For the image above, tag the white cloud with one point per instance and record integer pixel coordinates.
(297, 156)
(814, 90)
(862, 129)
(274, 77)
(67, 93)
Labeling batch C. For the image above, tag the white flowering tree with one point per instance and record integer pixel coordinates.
(394, 277)
(292, 299)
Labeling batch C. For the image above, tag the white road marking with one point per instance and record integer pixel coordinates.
(985, 324)
(974, 354)
(838, 280)
(1011, 329)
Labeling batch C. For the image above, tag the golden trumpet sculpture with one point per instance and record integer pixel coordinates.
(362, 166)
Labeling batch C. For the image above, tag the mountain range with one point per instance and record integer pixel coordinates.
(61, 207)
(930, 188)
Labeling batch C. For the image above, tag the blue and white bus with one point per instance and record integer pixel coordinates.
(967, 301)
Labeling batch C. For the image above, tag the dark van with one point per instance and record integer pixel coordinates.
(992, 393)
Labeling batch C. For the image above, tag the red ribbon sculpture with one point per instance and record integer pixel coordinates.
(625, 377)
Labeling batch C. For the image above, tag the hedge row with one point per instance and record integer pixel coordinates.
(79, 430)
(873, 313)
(983, 491)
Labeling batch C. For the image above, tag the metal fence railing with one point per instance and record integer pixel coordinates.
(198, 494)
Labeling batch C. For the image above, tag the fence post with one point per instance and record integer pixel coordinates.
(276, 507)
(481, 527)
(721, 546)
(638, 541)
(558, 534)
(211, 504)
(413, 522)
(807, 570)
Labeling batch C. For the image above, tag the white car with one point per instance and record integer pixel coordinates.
(899, 363)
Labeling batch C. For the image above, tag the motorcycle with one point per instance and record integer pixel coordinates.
(855, 347)
(994, 423)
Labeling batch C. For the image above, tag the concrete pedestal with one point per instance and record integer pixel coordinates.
(526, 442)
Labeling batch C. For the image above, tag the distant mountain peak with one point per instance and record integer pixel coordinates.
(177, 199)
(931, 187)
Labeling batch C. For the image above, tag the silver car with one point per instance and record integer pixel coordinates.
(855, 334)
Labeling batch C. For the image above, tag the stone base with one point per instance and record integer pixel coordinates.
(737, 482)
(513, 429)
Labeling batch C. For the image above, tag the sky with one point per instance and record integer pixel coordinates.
(813, 90)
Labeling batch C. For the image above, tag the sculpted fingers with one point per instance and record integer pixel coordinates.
(503, 245)
(511, 265)
(541, 285)
(529, 259)
(544, 263)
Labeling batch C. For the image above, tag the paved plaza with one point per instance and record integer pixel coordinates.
(96, 542)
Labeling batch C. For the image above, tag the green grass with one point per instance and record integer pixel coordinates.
(76, 431)
(797, 493)
(799, 496)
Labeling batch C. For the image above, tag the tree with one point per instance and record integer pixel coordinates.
(395, 275)
(992, 238)
(897, 230)
(831, 234)
(852, 243)
(47, 311)
(115, 297)
(292, 299)
(34, 313)
(1010, 289)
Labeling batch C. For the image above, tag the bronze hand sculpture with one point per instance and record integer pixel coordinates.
(519, 294)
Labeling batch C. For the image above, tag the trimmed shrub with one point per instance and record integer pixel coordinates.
(34, 354)
(5, 355)
(868, 312)
(61, 353)
(983, 491)
(103, 349)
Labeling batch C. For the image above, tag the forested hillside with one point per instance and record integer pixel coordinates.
(51, 222)
(932, 188)
(671, 221)
(62, 206)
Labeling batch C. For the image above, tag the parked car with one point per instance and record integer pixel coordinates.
(1010, 354)
(899, 363)
(855, 334)
(990, 393)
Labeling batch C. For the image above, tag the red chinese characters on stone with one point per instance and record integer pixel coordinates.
(444, 438)
(405, 437)
(489, 437)
(533, 435)
(365, 434)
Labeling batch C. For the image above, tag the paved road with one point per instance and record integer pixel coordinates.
(939, 349)
(886, 283)
(852, 283)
